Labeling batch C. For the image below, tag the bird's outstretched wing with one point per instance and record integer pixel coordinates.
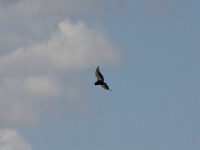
(105, 86)
(98, 74)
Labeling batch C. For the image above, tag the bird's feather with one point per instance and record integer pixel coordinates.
(105, 86)
(98, 74)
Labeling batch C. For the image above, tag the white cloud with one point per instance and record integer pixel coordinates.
(74, 45)
(35, 86)
(30, 83)
(10, 139)
(70, 7)
(26, 22)
(38, 47)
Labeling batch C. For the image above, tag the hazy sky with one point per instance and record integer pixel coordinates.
(148, 52)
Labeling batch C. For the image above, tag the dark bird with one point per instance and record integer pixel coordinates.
(100, 80)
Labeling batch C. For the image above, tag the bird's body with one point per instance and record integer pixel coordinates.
(99, 82)
(100, 79)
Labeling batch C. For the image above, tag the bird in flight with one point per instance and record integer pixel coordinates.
(100, 79)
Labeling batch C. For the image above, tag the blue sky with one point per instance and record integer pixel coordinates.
(148, 52)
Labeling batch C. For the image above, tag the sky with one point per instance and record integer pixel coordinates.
(147, 50)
